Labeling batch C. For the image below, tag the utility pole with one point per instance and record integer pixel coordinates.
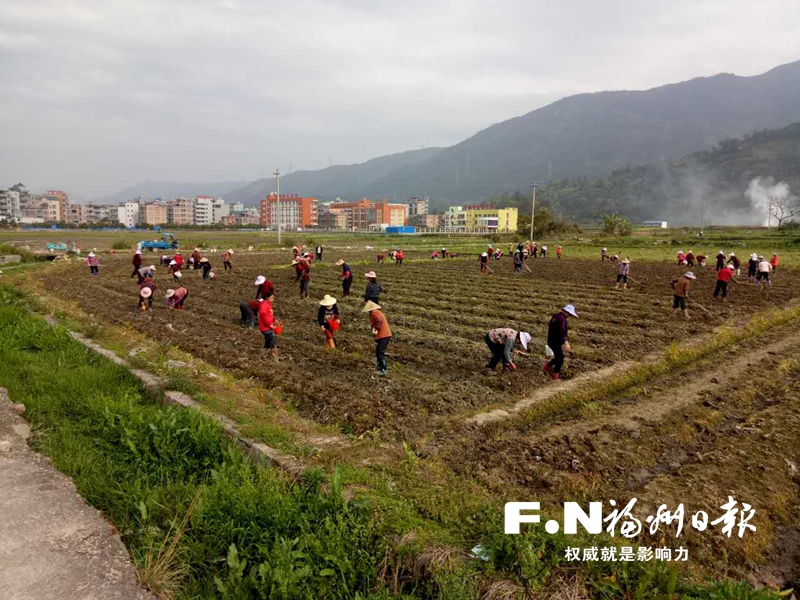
(277, 174)
(533, 206)
(703, 214)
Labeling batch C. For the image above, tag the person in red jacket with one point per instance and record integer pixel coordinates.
(178, 258)
(724, 275)
(196, 256)
(266, 325)
(398, 258)
(177, 298)
(264, 287)
(774, 263)
(304, 270)
(137, 263)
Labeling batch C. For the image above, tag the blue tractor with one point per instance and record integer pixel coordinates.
(167, 242)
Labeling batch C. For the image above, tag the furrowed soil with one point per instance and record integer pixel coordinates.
(439, 312)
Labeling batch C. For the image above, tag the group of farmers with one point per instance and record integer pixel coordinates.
(259, 312)
(501, 342)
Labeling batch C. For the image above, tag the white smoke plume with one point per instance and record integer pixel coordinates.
(762, 191)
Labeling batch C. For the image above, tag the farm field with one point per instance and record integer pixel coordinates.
(652, 406)
(439, 312)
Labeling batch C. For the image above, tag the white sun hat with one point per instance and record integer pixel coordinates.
(91, 254)
(172, 262)
(370, 306)
(328, 300)
(370, 275)
(146, 292)
(524, 338)
(484, 254)
(689, 275)
(259, 280)
(569, 309)
(170, 293)
(138, 252)
(230, 251)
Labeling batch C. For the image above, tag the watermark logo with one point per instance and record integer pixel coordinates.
(735, 518)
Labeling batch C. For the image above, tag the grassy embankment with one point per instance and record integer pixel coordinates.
(201, 521)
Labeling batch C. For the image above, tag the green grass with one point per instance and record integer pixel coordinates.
(201, 521)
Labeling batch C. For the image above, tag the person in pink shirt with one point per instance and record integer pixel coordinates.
(94, 264)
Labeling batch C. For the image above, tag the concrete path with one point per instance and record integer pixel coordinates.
(52, 545)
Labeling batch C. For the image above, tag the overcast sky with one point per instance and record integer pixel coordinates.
(100, 95)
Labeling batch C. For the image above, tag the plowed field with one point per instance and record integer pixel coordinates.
(439, 312)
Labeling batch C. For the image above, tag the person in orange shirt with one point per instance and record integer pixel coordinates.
(226, 260)
(774, 263)
(559, 252)
(383, 335)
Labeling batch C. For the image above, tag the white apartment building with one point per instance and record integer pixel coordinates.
(203, 210)
(220, 210)
(9, 205)
(455, 217)
(128, 214)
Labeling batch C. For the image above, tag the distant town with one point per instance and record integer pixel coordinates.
(19, 206)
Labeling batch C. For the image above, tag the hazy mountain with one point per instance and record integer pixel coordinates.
(174, 189)
(341, 180)
(673, 190)
(593, 134)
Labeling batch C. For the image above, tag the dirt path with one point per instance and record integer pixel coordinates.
(52, 545)
(550, 391)
(656, 407)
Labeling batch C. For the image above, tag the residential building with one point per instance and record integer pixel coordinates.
(429, 221)
(455, 218)
(52, 210)
(154, 213)
(78, 214)
(180, 211)
(203, 210)
(219, 210)
(128, 214)
(293, 211)
(364, 214)
(417, 207)
(9, 205)
(237, 207)
(332, 218)
(58, 196)
(491, 218)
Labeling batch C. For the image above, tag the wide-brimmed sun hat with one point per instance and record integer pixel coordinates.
(524, 338)
(204, 259)
(370, 306)
(230, 251)
(570, 310)
(138, 252)
(146, 292)
(328, 300)
(339, 262)
(172, 262)
(170, 293)
(626, 260)
(370, 275)
(91, 254)
(259, 280)
(484, 254)
(689, 275)
(731, 254)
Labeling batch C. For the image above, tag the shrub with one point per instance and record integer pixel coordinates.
(120, 245)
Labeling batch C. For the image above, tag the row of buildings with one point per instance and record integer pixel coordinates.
(21, 206)
(292, 211)
(298, 212)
